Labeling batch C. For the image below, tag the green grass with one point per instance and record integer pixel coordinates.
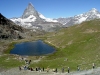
(80, 44)
(10, 47)
(9, 61)
(76, 45)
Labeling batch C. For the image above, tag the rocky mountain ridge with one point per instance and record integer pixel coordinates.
(32, 19)
(77, 19)
(9, 30)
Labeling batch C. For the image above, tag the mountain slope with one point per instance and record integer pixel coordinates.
(77, 19)
(77, 45)
(9, 30)
(32, 19)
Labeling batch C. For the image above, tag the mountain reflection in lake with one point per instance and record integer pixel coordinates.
(35, 48)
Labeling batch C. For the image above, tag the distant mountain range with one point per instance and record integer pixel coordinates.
(77, 19)
(32, 19)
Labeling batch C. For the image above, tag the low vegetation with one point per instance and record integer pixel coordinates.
(76, 46)
(9, 61)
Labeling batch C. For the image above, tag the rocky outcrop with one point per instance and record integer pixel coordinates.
(9, 30)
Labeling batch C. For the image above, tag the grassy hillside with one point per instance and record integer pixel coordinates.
(77, 45)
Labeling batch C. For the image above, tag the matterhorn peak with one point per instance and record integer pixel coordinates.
(30, 6)
(30, 3)
(30, 10)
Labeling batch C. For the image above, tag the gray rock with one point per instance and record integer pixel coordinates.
(9, 30)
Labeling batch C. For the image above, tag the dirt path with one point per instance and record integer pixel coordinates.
(15, 71)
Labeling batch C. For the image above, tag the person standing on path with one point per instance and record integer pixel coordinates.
(43, 68)
(47, 69)
(78, 68)
(63, 70)
(19, 68)
(29, 62)
(68, 69)
(36, 69)
(93, 66)
(56, 70)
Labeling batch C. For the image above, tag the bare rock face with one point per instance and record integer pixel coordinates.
(30, 10)
(9, 30)
(32, 19)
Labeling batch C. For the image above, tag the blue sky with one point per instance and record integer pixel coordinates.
(49, 8)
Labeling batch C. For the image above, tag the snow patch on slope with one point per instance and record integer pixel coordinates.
(47, 19)
(31, 18)
(25, 21)
(98, 15)
(82, 19)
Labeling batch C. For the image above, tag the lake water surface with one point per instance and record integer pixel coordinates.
(35, 48)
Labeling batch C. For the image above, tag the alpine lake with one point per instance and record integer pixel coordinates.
(35, 48)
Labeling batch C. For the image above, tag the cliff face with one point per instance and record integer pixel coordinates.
(9, 30)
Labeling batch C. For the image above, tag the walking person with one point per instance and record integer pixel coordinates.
(93, 66)
(39, 69)
(26, 61)
(31, 69)
(25, 68)
(36, 69)
(43, 68)
(68, 69)
(47, 69)
(63, 70)
(56, 70)
(19, 68)
(29, 61)
(78, 68)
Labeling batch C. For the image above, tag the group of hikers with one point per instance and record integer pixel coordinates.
(27, 62)
(42, 69)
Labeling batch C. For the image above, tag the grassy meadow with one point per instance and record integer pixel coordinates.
(78, 45)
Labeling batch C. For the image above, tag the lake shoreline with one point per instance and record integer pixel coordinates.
(40, 47)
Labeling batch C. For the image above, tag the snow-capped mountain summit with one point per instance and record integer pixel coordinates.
(93, 10)
(77, 19)
(93, 14)
(30, 10)
(32, 19)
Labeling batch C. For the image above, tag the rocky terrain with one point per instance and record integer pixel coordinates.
(32, 19)
(9, 30)
(77, 19)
